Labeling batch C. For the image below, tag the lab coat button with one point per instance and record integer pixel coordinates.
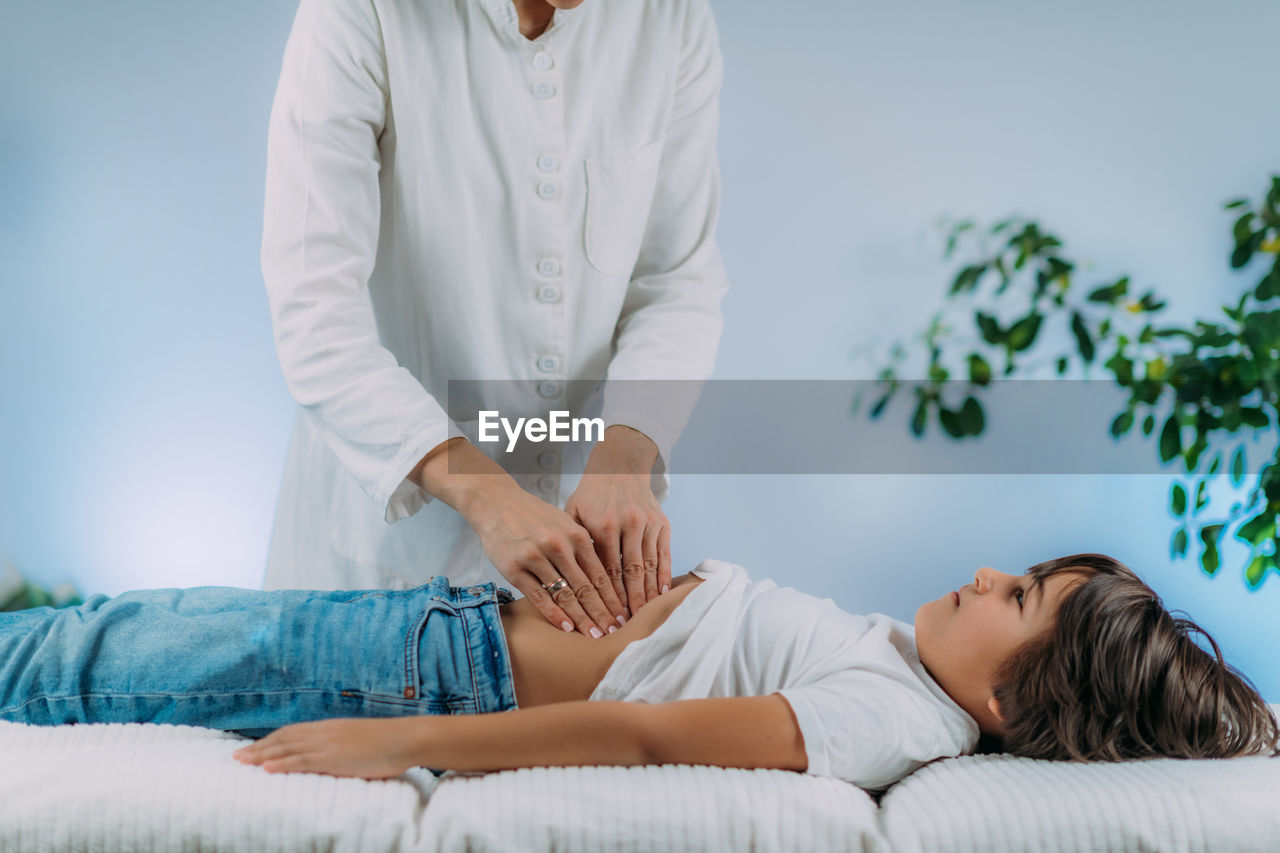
(548, 163)
(548, 484)
(547, 459)
(548, 364)
(549, 267)
(543, 61)
(548, 388)
(543, 90)
(549, 294)
(547, 191)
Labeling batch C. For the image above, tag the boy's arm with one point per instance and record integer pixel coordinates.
(758, 731)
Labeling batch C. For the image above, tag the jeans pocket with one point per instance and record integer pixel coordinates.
(620, 188)
(436, 672)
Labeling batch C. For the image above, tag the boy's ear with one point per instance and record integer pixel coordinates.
(993, 705)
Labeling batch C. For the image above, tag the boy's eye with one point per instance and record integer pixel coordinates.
(1021, 595)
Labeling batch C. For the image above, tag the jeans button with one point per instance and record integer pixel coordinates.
(408, 693)
(475, 590)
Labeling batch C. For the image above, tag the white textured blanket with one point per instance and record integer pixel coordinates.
(142, 787)
(139, 787)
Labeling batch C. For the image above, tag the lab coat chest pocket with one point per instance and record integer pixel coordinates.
(620, 189)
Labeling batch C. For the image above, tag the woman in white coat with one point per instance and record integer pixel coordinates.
(488, 189)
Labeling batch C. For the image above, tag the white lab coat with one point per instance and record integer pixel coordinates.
(446, 199)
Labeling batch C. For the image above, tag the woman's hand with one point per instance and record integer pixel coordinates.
(615, 504)
(366, 748)
(530, 541)
(534, 543)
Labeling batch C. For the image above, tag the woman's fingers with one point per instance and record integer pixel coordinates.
(608, 546)
(633, 572)
(664, 558)
(530, 584)
(584, 588)
(567, 600)
(649, 548)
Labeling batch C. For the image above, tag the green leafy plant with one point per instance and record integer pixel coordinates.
(19, 593)
(1218, 378)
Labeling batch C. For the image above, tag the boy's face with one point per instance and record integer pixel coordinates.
(964, 636)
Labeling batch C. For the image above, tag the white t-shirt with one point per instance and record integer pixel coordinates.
(868, 710)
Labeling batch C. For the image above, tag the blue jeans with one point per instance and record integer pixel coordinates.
(250, 661)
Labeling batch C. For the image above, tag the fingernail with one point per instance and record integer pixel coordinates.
(622, 620)
(665, 587)
(567, 625)
(613, 629)
(595, 632)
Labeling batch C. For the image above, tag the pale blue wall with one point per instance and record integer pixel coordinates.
(144, 420)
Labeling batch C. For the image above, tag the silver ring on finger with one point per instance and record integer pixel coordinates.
(555, 586)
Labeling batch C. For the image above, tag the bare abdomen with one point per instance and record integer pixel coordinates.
(552, 665)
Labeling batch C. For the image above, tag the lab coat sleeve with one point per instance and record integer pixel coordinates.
(670, 324)
(319, 242)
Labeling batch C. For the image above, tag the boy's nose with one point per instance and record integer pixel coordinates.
(985, 578)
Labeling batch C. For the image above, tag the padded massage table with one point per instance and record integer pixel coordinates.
(147, 787)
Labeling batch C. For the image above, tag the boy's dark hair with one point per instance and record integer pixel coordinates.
(1118, 677)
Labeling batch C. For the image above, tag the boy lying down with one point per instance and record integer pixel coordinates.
(1075, 659)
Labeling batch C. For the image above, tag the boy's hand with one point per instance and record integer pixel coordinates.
(369, 749)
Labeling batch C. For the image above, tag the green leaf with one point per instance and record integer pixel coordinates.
(1192, 454)
(1023, 332)
(878, 408)
(1258, 568)
(1062, 365)
(971, 416)
(990, 329)
(1084, 342)
(1122, 367)
(1234, 203)
(1258, 529)
(1106, 294)
(1149, 302)
(1254, 417)
(1109, 293)
(1170, 439)
(968, 278)
(1121, 424)
(979, 370)
(1178, 500)
(1215, 464)
(956, 231)
(1209, 557)
(1268, 287)
(1178, 547)
(1242, 228)
(1243, 252)
(1148, 424)
(1237, 466)
(1201, 500)
(919, 418)
(950, 421)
